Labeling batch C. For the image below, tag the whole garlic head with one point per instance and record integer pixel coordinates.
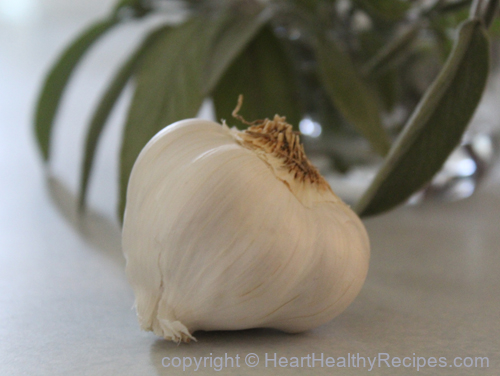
(228, 229)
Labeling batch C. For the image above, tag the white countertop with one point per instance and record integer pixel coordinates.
(66, 307)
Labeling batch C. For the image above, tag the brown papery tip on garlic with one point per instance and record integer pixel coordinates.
(278, 144)
(278, 138)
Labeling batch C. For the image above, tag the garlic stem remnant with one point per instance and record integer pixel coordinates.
(227, 229)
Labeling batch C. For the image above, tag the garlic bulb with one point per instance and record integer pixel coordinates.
(228, 229)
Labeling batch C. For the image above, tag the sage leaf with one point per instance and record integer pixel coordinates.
(167, 88)
(263, 74)
(444, 42)
(388, 88)
(392, 51)
(106, 104)
(231, 40)
(350, 95)
(57, 79)
(436, 126)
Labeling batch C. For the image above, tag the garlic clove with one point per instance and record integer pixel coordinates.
(228, 229)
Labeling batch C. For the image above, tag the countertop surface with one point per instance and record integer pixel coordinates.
(432, 290)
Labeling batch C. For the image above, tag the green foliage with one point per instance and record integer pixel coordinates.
(393, 50)
(350, 94)
(57, 79)
(106, 105)
(224, 49)
(436, 125)
(387, 87)
(237, 32)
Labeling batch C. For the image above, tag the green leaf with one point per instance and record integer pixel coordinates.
(384, 58)
(443, 41)
(106, 105)
(231, 40)
(57, 79)
(388, 88)
(168, 88)
(262, 73)
(436, 126)
(350, 94)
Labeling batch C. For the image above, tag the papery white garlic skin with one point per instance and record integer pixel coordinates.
(222, 232)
